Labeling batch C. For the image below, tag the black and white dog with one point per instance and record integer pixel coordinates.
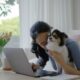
(56, 43)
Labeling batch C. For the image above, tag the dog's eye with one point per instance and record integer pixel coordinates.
(55, 36)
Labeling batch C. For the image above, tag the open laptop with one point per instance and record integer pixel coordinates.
(18, 61)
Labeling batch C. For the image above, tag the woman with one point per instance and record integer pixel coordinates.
(74, 55)
(39, 33)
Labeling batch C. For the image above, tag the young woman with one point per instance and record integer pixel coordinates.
(74, 55)
(39, 33)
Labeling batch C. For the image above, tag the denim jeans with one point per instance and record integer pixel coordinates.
(74, 50)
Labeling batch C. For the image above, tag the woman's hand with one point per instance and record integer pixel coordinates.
(58, 57)
(35, 66)
(67, 68)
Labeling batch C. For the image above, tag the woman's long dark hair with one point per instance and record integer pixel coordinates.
(38, 27)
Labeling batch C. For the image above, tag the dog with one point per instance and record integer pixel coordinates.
(56, 43)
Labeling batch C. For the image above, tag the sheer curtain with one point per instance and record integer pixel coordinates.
(57, 13)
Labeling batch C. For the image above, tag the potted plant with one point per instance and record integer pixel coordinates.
(4, 39)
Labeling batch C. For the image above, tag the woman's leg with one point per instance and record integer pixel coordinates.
(74, 50)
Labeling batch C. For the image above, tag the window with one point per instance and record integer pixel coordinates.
(9, 16)
(9, 21)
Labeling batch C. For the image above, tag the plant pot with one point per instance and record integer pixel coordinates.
(4, 62)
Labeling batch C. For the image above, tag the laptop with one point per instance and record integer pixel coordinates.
(19, 61)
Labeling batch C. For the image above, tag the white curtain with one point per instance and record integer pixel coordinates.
(56, 13)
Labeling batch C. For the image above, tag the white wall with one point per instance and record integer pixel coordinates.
(57, 13)
(53, 12)
(76, 14)
(14, 42)
(62, 15)
(24, 23)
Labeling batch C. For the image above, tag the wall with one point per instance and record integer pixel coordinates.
(14, 42)
(76, 14)
(57, 13)
(54, 12)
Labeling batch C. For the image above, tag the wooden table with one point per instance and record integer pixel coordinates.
(9, 75)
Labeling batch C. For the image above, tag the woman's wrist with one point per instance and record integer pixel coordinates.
(35, 66)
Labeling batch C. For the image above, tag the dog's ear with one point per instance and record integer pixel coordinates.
(59, 35)
(61, 40)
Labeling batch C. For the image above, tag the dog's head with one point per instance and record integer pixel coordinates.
(56, 36)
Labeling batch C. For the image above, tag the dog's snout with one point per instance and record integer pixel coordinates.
(50, 38)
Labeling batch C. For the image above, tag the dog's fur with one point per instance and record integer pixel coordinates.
(56, 36)
(56, 43)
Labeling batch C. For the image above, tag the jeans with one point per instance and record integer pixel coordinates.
(74, 50)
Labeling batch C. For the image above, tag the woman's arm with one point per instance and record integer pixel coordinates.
(67, 68)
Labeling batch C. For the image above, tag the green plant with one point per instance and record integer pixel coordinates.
(5, 7)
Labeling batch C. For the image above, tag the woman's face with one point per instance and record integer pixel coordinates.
(42, 38)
